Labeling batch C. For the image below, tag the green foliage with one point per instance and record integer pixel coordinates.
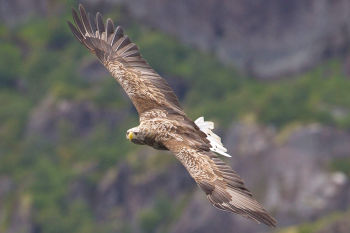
(341, 164)
(151, 219)
(13, 116)
(319, 225)
(10, 61)
(301, 99)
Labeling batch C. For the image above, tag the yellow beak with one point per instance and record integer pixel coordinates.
(130, 136)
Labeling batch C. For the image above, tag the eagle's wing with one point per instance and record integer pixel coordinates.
(146, 89)
(223, 186)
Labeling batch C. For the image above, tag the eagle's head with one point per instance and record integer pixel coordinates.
(135, 135)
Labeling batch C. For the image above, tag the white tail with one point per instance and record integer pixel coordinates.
(215, 141)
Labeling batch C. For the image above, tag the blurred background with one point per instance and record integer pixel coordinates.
(273, 75)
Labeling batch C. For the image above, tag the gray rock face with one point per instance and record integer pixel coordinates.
(126, 194)
(81, 116)
(14, 11)
(289, 174)
(287, 171)
(264, 38)
(340, 226)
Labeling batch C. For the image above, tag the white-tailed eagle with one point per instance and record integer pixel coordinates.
(163, 123)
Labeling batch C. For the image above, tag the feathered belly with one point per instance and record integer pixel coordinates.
(157, 145)
(159, 131)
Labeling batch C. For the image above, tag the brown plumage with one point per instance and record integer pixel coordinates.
(163, 124)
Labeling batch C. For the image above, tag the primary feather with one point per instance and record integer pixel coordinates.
(122, 58)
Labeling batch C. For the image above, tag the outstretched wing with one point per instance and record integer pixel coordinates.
(146, 89)
(223, 187)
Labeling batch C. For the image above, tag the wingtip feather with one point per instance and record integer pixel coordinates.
(75, 32)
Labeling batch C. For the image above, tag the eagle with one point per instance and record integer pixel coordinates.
(163, 123)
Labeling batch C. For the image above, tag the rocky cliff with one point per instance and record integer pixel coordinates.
(266, 39)
(290, 172)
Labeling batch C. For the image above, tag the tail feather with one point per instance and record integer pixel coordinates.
(214, 140)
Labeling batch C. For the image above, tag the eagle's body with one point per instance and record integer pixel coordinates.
(163, 123)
